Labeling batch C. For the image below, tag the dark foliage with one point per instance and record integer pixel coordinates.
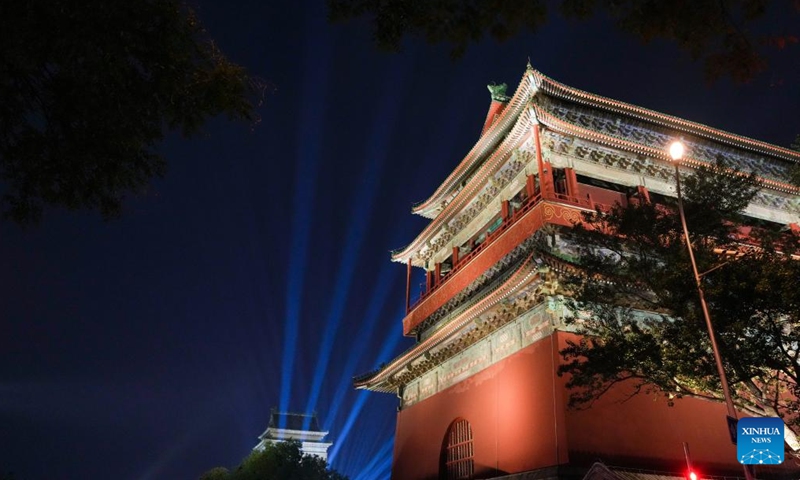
(278, 461)
(718, 32)
(751, 282)
(89, 89)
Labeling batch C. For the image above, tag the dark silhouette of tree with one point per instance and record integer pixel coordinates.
(721, 33)
(753, 295)
(278, 461)
(89, 90)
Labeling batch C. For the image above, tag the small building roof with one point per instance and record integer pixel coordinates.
(294, 421)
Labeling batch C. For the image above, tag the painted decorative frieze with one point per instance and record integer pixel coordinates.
(523, 330)
(648, 134)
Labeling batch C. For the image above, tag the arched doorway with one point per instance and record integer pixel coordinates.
(457, 452)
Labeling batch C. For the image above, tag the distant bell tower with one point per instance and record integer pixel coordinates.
(296, 426)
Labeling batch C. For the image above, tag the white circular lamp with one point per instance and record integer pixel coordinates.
(676, 150)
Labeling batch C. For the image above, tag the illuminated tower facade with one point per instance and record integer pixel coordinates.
(296, 426)
(479, 392)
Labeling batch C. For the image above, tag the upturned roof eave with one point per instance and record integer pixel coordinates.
(515, 137)
(376, 380)
(486, 141)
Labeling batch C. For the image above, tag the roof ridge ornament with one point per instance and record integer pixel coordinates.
(498, 92)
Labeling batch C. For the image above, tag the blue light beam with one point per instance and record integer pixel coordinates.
(381, 471)
(387, 280)
(379, 459)
(358, 405)
(364, 201)
(388, 347)
(317, 60)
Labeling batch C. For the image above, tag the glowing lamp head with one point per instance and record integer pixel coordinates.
(692, 476)
(676, 152)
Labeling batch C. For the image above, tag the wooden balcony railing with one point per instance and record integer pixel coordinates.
(527, 205)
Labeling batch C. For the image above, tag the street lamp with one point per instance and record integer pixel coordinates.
(676, 150)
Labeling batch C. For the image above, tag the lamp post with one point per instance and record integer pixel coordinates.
(676, 150)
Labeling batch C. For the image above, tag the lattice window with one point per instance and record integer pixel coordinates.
(458, 452)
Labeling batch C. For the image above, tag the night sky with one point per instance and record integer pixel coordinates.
(256, 274)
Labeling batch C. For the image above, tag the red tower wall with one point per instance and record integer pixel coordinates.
(511, 407)
(645, 431)
(517, 409)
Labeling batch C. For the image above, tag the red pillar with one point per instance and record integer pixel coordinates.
(530, 186)
(428, 281)
(504, 210)
(455, 256)
(643, 193)
(437, 273)
(408, 286)
(545, 169)
(549, 184)
(572, 182)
